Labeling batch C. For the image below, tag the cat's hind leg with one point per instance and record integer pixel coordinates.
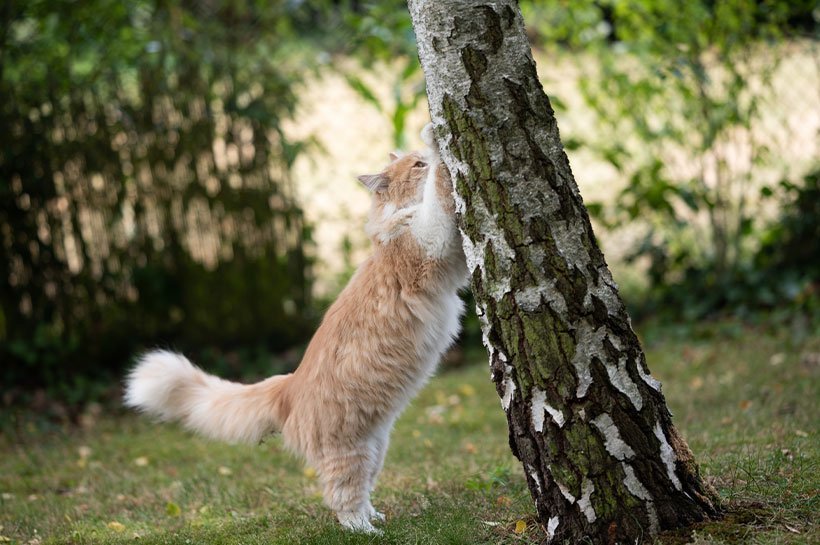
(346, 475)
(378, 445)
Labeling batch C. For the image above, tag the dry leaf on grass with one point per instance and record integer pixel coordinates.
(172, 509)
(116, 526)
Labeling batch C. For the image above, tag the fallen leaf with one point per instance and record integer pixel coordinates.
(520, 527)
(172, 509)
(800, 433)
(471, 448)
(793, 530)
(416, 434)
(490, 523)
(309, 472)
(745, 404)
(696, 383)
(224, 471)
(427, 443)
(777, 359)
(504, 501)
(4, 539)
(116, 526)
(466, 390)
(142, 461)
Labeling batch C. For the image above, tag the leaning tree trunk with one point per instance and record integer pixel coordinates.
(589, 423)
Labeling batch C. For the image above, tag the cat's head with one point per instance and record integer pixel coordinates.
(401, 182)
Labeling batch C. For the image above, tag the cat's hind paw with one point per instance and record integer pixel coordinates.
(376, 515)
(357, 522)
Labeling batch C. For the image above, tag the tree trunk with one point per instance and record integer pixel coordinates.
(589, 423)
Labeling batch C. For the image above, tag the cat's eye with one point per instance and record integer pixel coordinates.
(420, 164)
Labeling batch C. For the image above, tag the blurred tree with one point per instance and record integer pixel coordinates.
(144, 188)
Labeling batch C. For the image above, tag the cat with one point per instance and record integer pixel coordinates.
(375, 348)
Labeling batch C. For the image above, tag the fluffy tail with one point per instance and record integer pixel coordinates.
(168, 386)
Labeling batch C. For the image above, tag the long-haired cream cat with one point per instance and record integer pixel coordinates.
(377, 345)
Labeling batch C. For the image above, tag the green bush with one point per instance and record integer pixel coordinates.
(682, 94)
(145, 196)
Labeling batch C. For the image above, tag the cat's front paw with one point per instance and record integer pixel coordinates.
(428, 136)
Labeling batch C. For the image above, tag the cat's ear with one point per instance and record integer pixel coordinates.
(373, 182)
(394, 155)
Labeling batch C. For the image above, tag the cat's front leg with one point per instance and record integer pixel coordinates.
(434, 223)
(393, 223)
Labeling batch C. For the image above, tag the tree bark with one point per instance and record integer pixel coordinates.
(589, 423)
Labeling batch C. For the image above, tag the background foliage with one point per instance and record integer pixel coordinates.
(685, 102)
(145, 189)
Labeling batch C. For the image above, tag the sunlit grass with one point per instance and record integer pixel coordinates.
(745, 399)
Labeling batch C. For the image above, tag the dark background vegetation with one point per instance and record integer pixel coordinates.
(146, 197)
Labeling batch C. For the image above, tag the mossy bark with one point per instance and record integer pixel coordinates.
(602, 459)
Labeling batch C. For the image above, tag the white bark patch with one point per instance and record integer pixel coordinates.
(567, 236)
(584, 502)
(552, 525)
(589, 343)
(565, 492)
(612, 438)
(484, 339)
(539, 406)
(620, 379)
(637, 489)
(529, 299)
(534, 474)
(605, 293)
(509, 388)
(651, 381)
(474, 255)
(668, 456)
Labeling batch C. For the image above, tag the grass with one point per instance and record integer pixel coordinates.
(746, 399)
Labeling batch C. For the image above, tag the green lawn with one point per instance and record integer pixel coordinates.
(746, 399)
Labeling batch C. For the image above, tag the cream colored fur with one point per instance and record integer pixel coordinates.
(376, 347)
